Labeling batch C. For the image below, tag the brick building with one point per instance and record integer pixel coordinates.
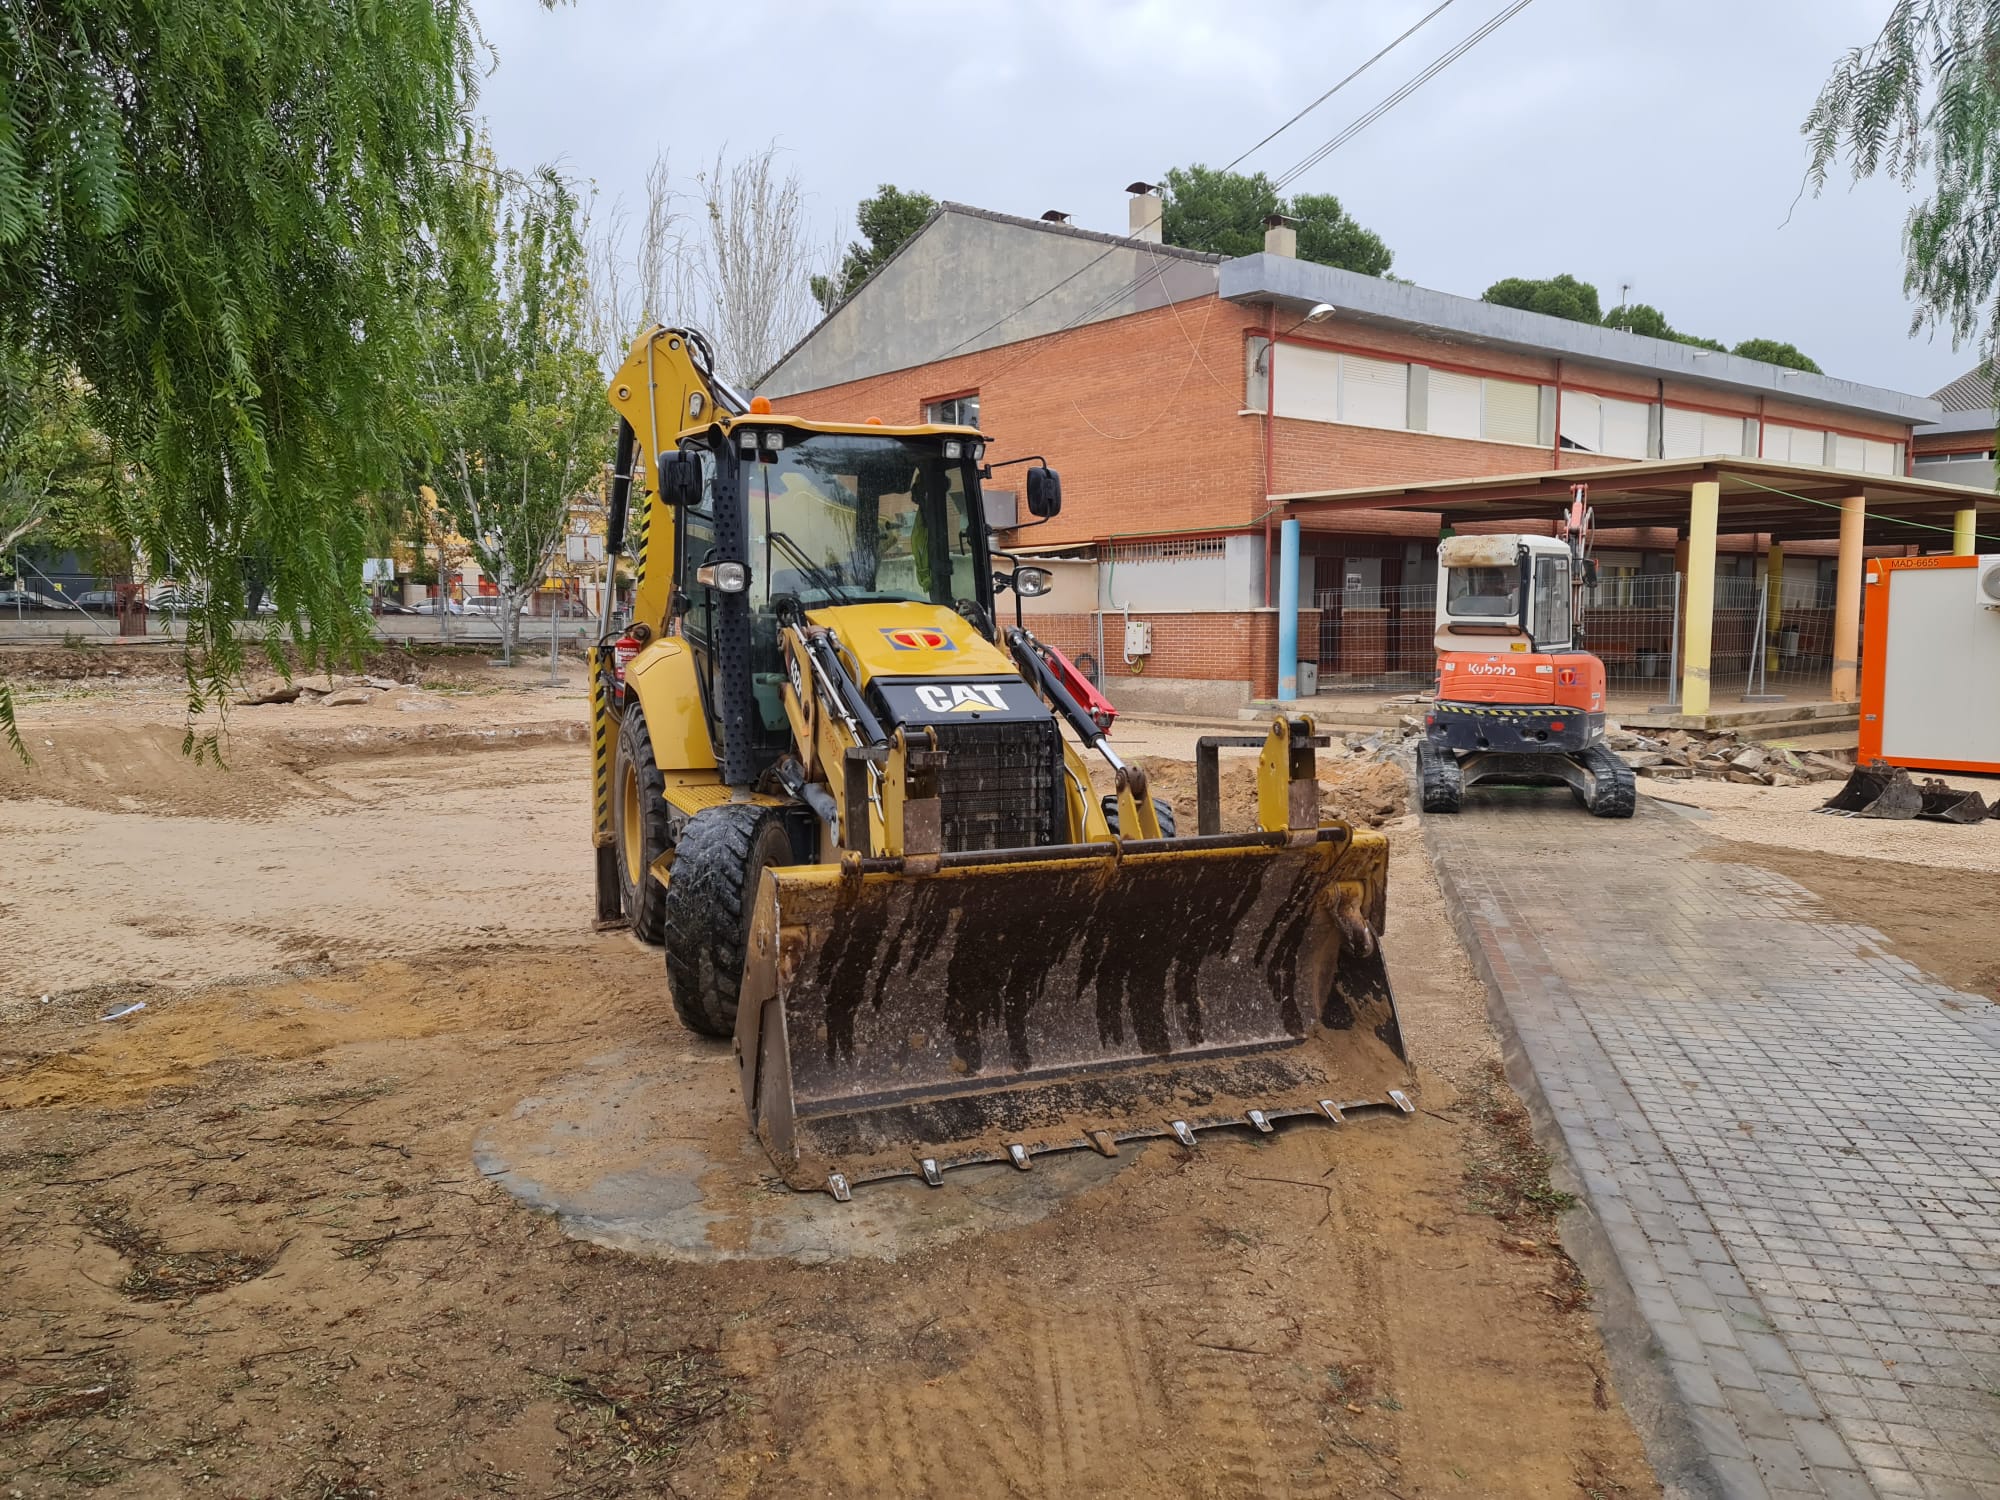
(1185, 397)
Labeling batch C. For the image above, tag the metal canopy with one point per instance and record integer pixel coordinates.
(1791, 501)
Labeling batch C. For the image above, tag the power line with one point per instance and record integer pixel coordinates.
(1342, 84)
(1010, 315)
(1867, 514)
(1362, 122)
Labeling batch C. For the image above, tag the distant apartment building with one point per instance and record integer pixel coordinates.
(1193, 401)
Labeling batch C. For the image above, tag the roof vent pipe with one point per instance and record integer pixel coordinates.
(1145, 208)
(1281, 236)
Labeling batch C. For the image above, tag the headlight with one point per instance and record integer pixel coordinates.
(1032, 583)
(773, 441)
(953, 448)
(727, 578)
(747, 440)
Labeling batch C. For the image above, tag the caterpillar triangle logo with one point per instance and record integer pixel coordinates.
(904, 638)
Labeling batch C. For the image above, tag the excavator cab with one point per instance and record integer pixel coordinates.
(855, 812)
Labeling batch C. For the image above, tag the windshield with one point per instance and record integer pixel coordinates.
(845, 519)
(1489, 593)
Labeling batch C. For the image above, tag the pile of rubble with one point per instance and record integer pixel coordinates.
(1722, 755)
(329, 692)
(1666, 755)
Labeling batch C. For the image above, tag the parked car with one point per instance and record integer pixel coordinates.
(27, 599)
(430, 607)
(392, 607)
(102, 600)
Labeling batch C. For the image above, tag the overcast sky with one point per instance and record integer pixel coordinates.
(1650, 142)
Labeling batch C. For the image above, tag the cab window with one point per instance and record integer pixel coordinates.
(1550, 626)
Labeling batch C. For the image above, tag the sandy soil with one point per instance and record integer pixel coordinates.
(1785, 818)
(246, 1253)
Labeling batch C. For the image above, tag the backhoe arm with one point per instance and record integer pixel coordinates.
(666, 385)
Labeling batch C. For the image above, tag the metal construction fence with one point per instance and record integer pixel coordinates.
(1381, 638)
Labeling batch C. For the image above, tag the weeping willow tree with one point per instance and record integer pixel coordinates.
(217, 213)
(1921, 104)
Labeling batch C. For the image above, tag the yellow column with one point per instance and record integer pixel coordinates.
(1698, 609)
(1774, 589)
(1846, 684)
(1963, 526)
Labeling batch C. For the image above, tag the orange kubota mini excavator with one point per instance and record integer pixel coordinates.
(1519, 700)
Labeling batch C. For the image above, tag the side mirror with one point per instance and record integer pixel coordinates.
(1044, 493)
(1032, 583)
(680, 479)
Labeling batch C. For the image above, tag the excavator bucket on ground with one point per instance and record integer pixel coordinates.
(1876, 790)
(907, 1016)
(1947, 804)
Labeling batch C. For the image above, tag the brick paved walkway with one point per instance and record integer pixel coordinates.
(1791, 1139)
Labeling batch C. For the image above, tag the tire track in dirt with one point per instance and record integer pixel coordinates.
(1098, 1396)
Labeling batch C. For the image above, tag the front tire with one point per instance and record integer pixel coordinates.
(1162, 809)
(720, 857)
(642, 825)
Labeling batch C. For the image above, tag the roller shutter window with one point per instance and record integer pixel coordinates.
(1513, 412)
(1795, 445)
(1308, 384)
(1680, 434)
(1256, 374)
(1582, 424)
(1721, 435)
(1454, 404)
(1850, 454)
(1625, 427)
(1374, 392)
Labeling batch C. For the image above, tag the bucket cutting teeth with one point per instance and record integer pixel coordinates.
(1181, 1132)
(1260, 1120)
(1332, 1111)
(836, 1184)
(931, 1173)
(1018, 1155)
(1402, 1101)
(1104, 1143)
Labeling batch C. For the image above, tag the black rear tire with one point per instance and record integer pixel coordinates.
(718, 860)
(642, 824)
(1161, 808)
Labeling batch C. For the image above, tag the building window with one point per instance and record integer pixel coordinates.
(954, 411)
(1257, 375)
(1493, 411)
(1604, 424)
(1866, 455)
(1794, 445)
(1700, 434)
(1317, 385)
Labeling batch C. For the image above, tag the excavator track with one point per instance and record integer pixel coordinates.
(1614, 791)
(1439, 784)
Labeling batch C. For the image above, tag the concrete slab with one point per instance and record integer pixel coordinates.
(650, 1154)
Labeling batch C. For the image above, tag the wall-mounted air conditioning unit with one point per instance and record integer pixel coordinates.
(1986, 576)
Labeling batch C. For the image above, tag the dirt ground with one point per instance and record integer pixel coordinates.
(244, 1250)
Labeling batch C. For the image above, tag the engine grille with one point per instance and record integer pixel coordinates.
(1001, 785)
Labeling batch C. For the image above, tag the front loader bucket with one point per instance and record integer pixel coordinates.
(1877, 790)
(1945, 804)
(897, 1019)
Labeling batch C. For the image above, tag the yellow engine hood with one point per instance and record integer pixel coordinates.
(913, 640)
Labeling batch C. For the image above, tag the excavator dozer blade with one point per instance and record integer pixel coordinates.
(1876, 790)
(906, 1017)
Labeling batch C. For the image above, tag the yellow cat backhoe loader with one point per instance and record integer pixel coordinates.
(855, 811)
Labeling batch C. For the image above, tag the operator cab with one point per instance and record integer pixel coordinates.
(1506, 593)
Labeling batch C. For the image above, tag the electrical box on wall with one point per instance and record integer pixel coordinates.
(1138, 638)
